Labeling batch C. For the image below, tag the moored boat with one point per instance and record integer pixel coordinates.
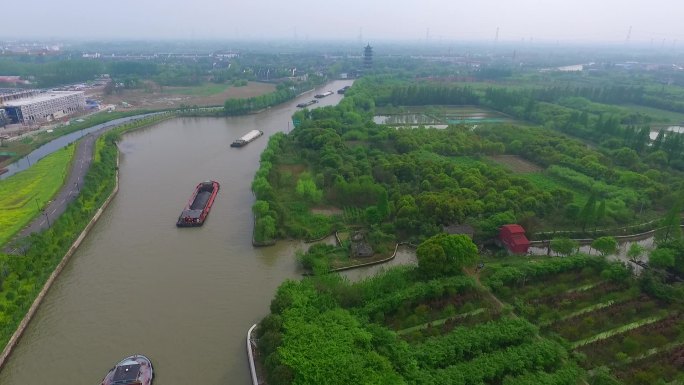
(133, 370)
(199, 205)
(246, 138)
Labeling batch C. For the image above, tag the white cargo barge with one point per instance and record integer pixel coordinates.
(246, 138)
(326, 93)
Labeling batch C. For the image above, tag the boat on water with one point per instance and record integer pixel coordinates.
(246, 138)
(199, 204)
(342, 90)
(307, 104)
(326, 93)
(132, 370)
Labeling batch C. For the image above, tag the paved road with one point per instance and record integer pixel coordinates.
(70, 189)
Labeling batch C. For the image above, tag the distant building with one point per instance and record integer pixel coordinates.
(513, 238)
(368, 57)
(44, 107)
(9, 94)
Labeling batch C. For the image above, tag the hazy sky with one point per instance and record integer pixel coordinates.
(351, 20)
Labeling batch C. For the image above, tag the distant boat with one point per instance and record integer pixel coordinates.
(343, 89)
(199, 204)
(246, 138)
(132, 370)
(307, 104)
(326, 93)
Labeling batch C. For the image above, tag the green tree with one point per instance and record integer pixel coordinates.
(588, 214)
(306, 188)
(445, 254)
(383, 204)
(605, 245)
(635, 251)
(663, 258)
(260, 208)
(564, 246)
(671, 229)
(601, 212)
(265, 229)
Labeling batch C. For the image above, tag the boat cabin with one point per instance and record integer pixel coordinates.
(126, 375)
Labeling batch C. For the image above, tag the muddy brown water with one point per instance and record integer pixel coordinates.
(183, 297)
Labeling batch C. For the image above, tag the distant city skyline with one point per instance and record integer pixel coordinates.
(610, 21)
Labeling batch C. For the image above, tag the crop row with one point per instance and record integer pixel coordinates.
(588, 324)
(660, 368)
(417, 293)
(464, 343)
(636, 341)
(566, 375)
(493, 367)
(521, 274)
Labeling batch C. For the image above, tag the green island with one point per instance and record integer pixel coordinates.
(402, 161)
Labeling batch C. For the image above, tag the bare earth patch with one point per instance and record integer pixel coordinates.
(516, 164)
(174, 97)
(294, 169)
(326, 210)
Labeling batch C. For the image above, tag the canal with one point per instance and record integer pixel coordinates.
(183, 297)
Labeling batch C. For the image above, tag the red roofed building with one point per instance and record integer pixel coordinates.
(513, 238)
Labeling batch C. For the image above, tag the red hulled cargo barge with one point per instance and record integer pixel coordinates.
(199, 205)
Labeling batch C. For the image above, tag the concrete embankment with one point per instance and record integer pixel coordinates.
(251, 345)
(618, 238)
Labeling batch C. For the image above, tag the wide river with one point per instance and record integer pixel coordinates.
(183, 297)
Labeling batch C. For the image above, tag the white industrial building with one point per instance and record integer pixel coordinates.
(44, 107)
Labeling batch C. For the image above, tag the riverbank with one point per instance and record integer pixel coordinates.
(48, 284)
(251, 347)
(95, 189)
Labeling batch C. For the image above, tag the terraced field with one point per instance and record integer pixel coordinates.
(605, 321)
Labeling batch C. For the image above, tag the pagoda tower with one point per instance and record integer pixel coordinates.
(368, 57)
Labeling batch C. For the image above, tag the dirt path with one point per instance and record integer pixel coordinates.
(475, 273)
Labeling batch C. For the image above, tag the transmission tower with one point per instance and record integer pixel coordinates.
(629, 34)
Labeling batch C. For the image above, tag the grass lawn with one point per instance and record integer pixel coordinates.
(22, 194)
(659, 116)
(548, 183)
